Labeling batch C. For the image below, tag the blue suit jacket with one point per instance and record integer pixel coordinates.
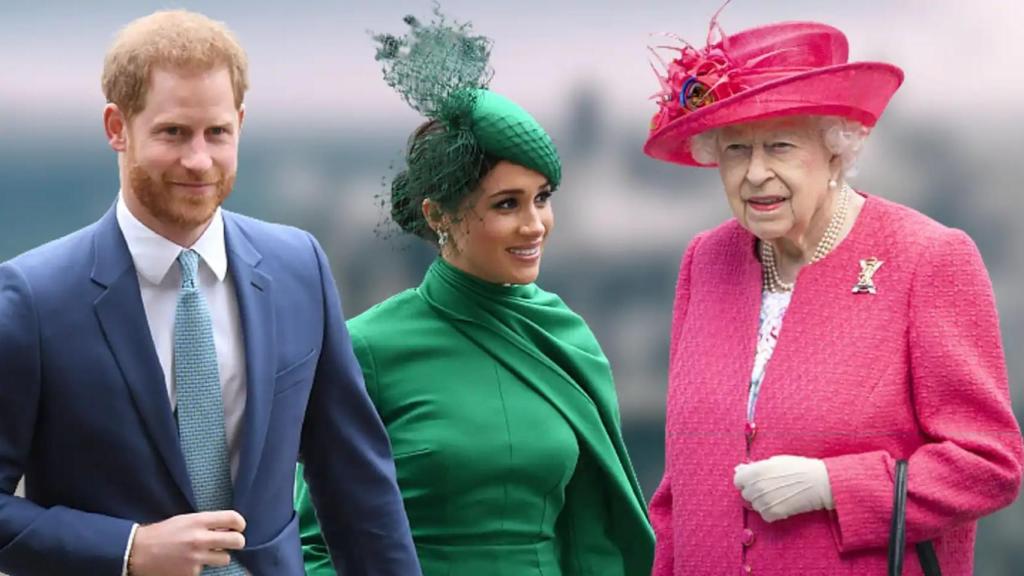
(84, 412)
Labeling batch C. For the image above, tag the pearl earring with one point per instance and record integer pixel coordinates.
(832, 184)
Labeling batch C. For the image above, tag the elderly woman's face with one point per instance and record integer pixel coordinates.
(775, 173)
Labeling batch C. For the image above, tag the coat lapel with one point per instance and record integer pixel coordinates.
(255, 305)
(123, 320)
(823, 305)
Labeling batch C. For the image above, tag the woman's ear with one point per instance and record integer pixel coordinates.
(835, 167)
(432, 214)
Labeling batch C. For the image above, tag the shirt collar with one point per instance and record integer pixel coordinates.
(154, 255)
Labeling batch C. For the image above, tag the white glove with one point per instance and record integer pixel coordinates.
(783, 486)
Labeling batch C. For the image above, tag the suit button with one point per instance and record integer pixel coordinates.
(746, 569)
(750, 430)
(748, 537)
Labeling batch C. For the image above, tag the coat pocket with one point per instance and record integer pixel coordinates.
(296, 373)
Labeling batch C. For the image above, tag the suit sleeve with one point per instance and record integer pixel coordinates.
(315, 555)
(347, 456)
(660, 508)
(36, 540)
(971, 464)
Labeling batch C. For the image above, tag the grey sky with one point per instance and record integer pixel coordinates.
(312, 60)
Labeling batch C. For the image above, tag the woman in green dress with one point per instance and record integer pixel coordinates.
(498, 400)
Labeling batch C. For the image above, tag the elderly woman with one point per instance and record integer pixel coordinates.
(498, 401)
(821, 334)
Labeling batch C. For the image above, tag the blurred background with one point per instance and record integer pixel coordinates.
(323, 133)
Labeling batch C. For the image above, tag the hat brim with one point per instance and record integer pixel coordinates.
(859, 91)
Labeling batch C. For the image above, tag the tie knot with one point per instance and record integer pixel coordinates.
(189, 261)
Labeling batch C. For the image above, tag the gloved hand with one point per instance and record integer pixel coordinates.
(783, 486)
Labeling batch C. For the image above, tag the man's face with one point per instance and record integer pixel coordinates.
(181, 153)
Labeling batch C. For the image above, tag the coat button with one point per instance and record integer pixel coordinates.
(746, 569)
(748, 537)
(750, 430)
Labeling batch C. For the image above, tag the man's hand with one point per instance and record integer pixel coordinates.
(783, 486)
(183, 545)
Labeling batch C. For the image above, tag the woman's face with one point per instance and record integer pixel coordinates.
(499, 236)
(775, 173)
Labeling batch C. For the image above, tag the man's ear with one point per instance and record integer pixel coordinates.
(116, 126)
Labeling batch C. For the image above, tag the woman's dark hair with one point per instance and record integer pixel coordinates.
(407, 200)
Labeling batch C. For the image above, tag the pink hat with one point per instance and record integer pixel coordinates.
(776, 70)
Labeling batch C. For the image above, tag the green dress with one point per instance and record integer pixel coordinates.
(505, 431)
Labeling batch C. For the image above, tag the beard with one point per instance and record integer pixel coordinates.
(176, 208)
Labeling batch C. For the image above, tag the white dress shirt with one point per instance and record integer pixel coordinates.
(156, 263)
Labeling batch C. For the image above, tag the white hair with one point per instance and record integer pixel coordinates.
(842, 136)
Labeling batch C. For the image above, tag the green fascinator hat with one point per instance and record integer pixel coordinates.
(442, 70)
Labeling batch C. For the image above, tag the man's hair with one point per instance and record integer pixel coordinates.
(172, 38)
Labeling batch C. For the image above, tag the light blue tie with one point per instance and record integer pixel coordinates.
(200, 404)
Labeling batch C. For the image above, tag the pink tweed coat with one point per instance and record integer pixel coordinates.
(914, 371)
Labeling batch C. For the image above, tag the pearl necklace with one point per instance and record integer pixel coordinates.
(772, 281)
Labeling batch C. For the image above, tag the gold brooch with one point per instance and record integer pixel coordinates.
(865, 284)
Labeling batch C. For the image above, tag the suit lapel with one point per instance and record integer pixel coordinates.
(255, 305)
(123, 320)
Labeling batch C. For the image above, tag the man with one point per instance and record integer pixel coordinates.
(162, 370)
